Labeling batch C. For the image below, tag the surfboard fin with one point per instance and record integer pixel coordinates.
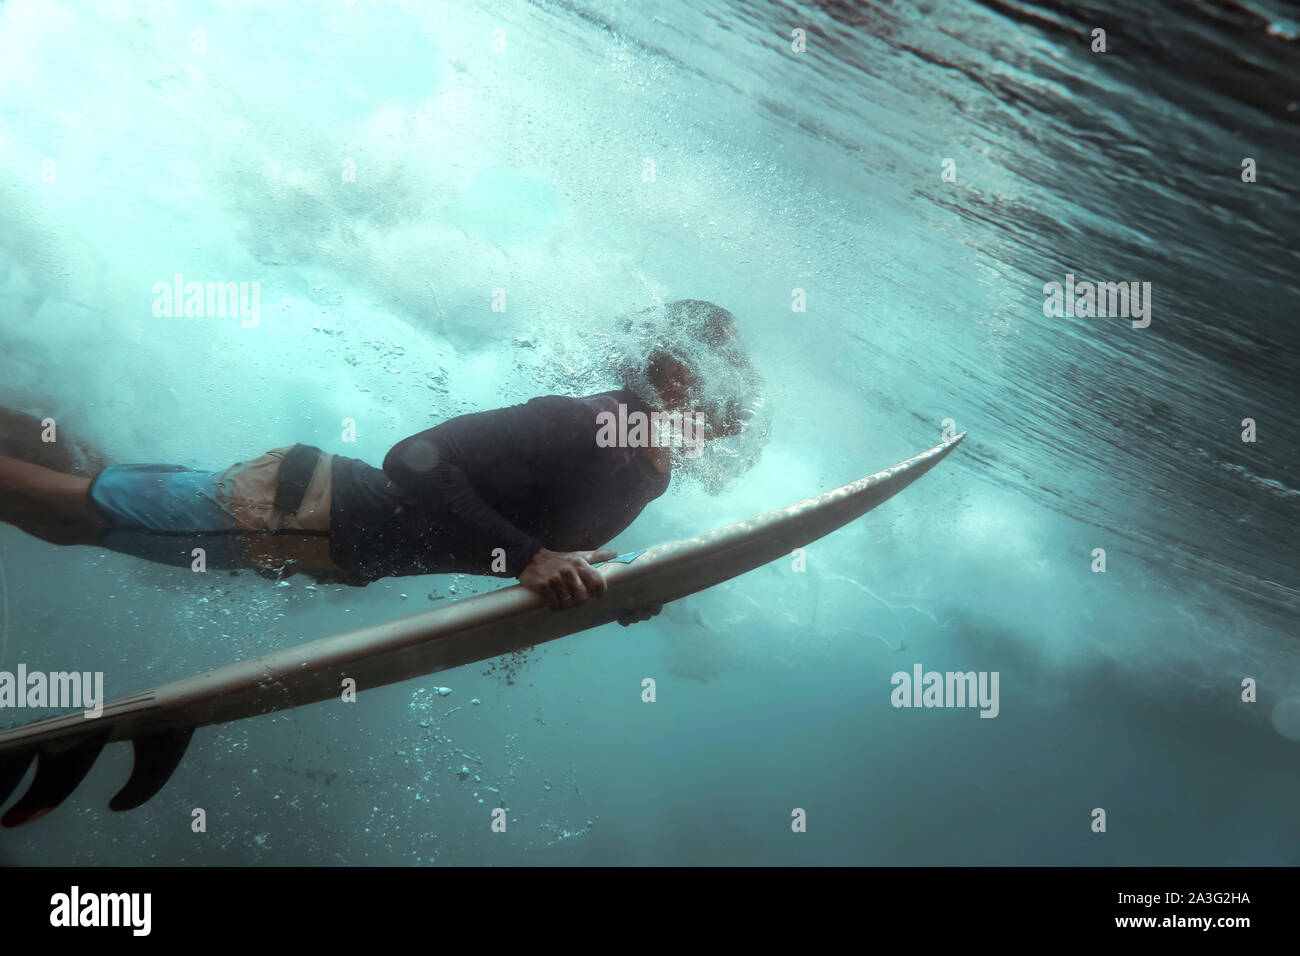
(12, 770)
(57, 775)
(156, 758)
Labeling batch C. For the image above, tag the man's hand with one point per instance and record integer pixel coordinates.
(566, 578)
(639, 614)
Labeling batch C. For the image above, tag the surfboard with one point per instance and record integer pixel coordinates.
(161, 722)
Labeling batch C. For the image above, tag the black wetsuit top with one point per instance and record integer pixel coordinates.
(518, 478)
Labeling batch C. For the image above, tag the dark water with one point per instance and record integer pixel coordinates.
(223, 155)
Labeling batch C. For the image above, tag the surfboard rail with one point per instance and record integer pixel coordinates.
(161, 722)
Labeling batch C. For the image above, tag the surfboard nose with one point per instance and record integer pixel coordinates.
(945, 447)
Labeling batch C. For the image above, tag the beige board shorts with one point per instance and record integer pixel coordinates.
(246, 491)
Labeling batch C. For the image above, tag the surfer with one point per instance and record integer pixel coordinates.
(527, 491)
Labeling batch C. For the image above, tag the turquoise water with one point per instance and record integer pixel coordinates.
(387, 172)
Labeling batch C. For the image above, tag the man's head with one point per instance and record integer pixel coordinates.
(714, 378)
(687, 356)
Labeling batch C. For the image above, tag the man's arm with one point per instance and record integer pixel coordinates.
(423, 465)
(517, 444)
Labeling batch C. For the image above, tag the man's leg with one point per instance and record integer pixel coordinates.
(22, 436)
(48, 504)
